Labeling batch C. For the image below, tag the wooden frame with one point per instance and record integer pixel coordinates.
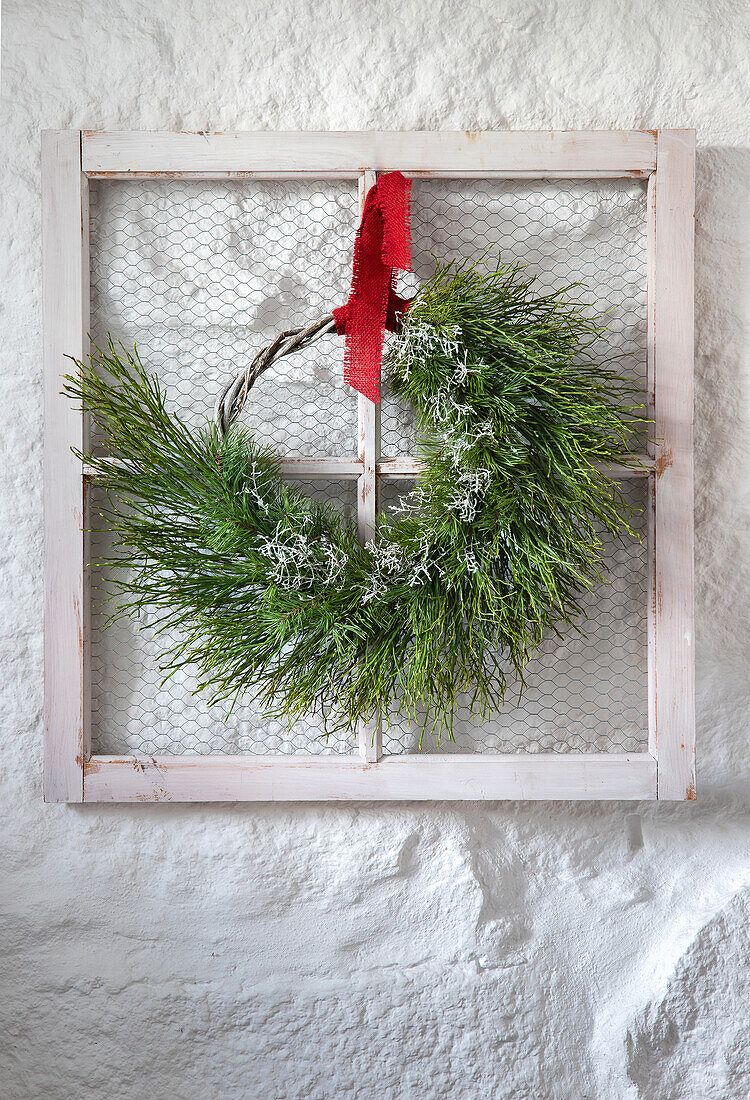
(666, 770)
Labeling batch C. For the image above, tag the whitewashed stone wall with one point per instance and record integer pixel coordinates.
(511, 950)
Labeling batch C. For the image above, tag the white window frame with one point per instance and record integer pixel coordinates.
(666, 771)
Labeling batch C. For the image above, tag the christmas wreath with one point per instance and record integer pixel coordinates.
(271, 592)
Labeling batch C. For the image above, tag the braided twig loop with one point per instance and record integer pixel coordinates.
(234, 395)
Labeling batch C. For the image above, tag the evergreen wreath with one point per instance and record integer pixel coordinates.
(270, 591)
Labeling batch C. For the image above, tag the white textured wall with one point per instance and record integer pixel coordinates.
(469, 951)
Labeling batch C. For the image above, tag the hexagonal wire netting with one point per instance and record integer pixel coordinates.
(135, 711)
(201, 274)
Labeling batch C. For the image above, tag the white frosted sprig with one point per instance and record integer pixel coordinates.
(471, 489)
(425, 563)
(469, 558)
(443, 408)
(388, 564)
(419, 341)
(253, 490)
(393, 565)
(296, 560)
(411, 501)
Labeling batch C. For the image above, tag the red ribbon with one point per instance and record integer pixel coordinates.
(382, 245)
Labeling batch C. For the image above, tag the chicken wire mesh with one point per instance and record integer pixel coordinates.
(134, 710)
(201, 274)
(587, 690)
(591, 232)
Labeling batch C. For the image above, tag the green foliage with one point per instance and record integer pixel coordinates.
(271, 593)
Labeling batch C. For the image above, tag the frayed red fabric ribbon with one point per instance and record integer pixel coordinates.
(382, 245)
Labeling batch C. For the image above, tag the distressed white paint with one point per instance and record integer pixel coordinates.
(584, 155)
(369, 730)
(419, 778)
(460, 951)
(670, 770)
(66, 603)
(671, 345)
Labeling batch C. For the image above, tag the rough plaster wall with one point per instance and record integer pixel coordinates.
(468, 951)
